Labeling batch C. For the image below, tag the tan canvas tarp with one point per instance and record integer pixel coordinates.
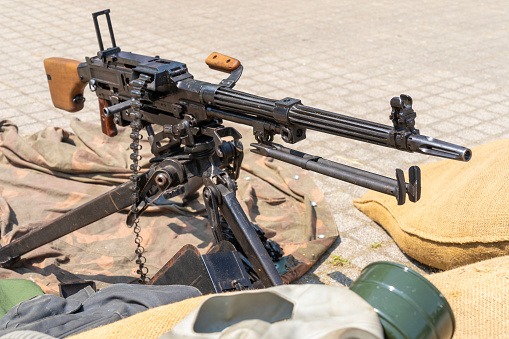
(54, 171)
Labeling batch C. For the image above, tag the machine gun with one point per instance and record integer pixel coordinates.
(192, 148)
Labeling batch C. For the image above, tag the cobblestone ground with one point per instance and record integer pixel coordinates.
(350, 57)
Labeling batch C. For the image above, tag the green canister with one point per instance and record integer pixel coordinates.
(408, 305)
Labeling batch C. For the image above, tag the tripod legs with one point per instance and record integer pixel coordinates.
(96, 209)
(219, 197)
(219, 193)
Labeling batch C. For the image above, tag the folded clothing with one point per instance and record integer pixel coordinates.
(14, 291)
(61, 317)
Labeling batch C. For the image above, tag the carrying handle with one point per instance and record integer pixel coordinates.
(223, 63)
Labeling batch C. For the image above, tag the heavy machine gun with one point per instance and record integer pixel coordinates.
(192, 148)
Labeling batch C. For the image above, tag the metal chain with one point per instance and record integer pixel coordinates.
(137, 90)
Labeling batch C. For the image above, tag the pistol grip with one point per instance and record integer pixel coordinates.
(107, 125)
(65, 85)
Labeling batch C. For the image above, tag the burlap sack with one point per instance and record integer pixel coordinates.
(479, 295)
(463, 214)
(149, 324)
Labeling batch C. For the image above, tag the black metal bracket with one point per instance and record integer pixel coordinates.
(289, 133)
(98, 30)
(220, 270)
(403, 119)
(233, 78)
(402, 114)
(158, 182)
(282, 107)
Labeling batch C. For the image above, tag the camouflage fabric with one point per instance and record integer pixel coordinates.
(54, 171)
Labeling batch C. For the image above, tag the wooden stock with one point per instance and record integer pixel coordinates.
(222, 62)
(64, 83)
(107, 125)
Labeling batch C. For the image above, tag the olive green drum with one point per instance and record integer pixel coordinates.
(408, 305)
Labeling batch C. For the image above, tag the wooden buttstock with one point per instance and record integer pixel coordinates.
(107, 125)
(64, 82)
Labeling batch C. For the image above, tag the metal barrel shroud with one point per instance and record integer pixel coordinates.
(246, 108)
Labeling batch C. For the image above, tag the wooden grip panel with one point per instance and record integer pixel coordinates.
(222, 62)
(64, 83)
(108, 127)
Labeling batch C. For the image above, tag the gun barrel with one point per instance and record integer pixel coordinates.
(333, 123)
(340, 125)
(439, 148)
(247, 107)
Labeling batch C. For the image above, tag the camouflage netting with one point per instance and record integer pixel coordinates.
(54, 171)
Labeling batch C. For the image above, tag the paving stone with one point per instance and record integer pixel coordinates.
(447, 127)
(21, 119)
(454, 95)
(46, 115)
(327, 185)
(484, 115)
(369, 257)
(6, 113)
(436, 100)
(499, 108)
(369, 235)
(392, 250)
(33, 108)
(19, 100)
(345, 276)
(347, 248)
(345, 221)
(29, 129)
(491, 128)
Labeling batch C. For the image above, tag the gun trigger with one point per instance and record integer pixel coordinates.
(401, 189)
(414, 185)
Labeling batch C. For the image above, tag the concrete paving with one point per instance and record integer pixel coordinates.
(349, 57)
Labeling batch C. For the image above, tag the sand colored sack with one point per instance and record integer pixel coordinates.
(478, 294)
(149, 324)
(463, 214)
